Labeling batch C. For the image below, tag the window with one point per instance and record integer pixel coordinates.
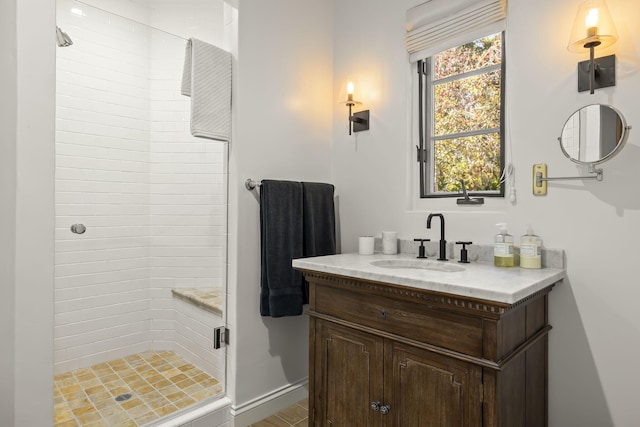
(461, 111)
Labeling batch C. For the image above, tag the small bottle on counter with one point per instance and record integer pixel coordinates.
(503, 248)
(530, 249)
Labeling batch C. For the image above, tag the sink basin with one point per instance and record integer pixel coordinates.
(419, 264)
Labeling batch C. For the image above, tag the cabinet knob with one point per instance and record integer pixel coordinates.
(384, 410)
(375, 406)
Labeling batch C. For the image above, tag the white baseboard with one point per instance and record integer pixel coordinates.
(270, 403)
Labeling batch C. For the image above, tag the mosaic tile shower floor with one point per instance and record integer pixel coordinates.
(160, 383)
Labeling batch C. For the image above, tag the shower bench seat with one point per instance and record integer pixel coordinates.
(208, 299)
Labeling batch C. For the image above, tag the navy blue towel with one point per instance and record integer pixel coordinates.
(319, 224)
(296, 220)
(319, 219)
(281, 232)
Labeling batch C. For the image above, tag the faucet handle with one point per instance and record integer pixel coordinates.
(463, 252)
(421, 248)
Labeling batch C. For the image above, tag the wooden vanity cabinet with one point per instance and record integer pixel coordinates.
(384, 355)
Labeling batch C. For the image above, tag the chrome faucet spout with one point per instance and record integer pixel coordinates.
(443, 242)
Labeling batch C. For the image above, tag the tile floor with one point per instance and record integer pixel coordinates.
(160, 383)
(293, 416)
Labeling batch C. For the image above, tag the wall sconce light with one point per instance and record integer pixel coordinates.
(593, 28)
(357, 121)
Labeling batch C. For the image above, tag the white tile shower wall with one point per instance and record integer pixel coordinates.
(102, 181)
(153, 197)
(194, 21)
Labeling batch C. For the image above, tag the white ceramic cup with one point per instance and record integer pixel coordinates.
(389, 242)
(365, 245)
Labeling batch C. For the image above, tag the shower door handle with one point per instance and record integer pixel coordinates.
(78, 228)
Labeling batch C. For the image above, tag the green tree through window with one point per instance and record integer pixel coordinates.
(462, 108)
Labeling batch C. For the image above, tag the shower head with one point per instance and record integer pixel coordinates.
(62, 38)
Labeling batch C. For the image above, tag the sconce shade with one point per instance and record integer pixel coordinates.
(593, 27)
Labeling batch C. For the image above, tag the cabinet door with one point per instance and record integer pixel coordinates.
(348, 376)
(425, 389)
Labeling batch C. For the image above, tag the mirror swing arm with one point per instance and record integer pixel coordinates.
(540, 177)
(612, 130)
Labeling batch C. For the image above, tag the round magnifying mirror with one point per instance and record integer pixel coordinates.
(594, 134)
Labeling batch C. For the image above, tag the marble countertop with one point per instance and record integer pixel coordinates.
(477, 280)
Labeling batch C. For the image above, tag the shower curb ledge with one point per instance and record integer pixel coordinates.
(185, 419)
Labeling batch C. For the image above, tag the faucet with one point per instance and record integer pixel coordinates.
(443, 242)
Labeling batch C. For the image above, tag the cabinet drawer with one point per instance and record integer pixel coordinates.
(410, 320)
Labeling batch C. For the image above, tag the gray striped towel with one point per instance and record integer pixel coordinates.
(207, 80)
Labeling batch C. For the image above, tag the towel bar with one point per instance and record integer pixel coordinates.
(250, 184)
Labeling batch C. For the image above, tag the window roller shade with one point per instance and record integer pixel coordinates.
(438, 25)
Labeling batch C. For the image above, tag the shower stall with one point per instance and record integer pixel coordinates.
(141, 217)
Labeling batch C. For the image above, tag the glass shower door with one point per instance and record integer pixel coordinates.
(140, 292)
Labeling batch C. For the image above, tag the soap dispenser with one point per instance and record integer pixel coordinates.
(503, 247)
(530, 249)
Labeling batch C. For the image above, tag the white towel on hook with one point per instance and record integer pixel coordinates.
(207, 80)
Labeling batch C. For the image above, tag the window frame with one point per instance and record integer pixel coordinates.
(426, 107)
